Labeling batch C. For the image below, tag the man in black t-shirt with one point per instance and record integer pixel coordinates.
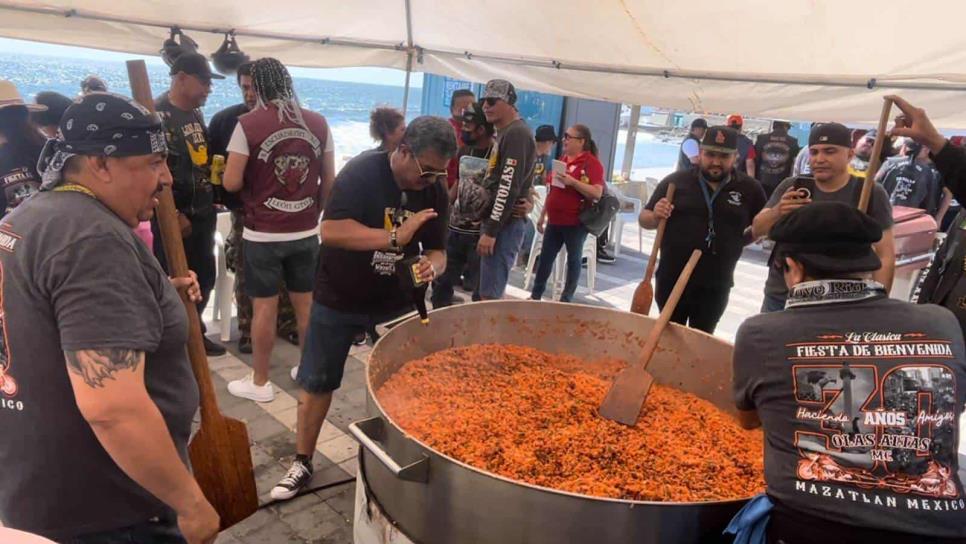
(912, 181)
(860, 395)
(712, 206)
(470, 202)
(383, 207)
(190, 163)
(775, 155)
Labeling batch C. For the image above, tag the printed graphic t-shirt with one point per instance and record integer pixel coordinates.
(19, 179)
(860, 397)
(73, 276)
(188, 158)
(365, 281)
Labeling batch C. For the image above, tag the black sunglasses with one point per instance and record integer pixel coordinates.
(569, 137)
(491, 101)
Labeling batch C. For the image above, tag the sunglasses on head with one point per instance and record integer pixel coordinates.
(491, 101)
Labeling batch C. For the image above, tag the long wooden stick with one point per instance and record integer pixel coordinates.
(874, 161)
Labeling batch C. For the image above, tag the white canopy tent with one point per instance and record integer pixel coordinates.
(796, 59)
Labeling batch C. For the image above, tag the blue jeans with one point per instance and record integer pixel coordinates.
(772, 304)
(495, 269)
(555, 237)
(156, 531)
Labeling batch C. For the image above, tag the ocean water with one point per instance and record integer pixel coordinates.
(346, 106)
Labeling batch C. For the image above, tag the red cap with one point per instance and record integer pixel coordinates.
(735, 120)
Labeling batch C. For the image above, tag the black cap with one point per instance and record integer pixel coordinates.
(829, 236)
(474, 114)
(194, 64)
(721, 139)
(56, 104)
(699, 123)
(830, 134)
(545, 133)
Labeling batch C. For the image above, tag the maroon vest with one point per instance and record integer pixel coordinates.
(282, 186)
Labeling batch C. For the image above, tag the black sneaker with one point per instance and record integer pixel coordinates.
(214, 350)
(604, 257)
(245, 344)
(297, 477)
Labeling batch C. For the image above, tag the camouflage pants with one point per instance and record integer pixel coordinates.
(287, 325)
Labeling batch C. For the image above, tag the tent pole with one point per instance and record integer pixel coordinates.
(631, 142)
(409, 54)
(409, 71)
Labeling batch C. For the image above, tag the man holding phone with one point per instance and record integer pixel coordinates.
(830, 151)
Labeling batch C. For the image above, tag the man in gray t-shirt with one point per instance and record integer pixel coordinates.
(830, 153)
(859, 395)
(96, 390)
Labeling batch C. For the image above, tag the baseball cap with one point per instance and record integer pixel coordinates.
(720, 139)
(830, 134)
(735, 120)
(502, 89)
(545, 133)
(829, 236)
(194, 64)
(699, 123)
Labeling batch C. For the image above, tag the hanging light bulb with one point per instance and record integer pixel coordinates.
(174, 48)
(229, 56)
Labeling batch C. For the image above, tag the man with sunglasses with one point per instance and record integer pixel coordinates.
(713, 205)
(190, 165)
(830, 151)
(383, 208)
(508, 179)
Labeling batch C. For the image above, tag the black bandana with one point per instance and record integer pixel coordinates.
(101, 124)
(810, 293)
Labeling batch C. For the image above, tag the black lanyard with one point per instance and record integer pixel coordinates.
(709, 199)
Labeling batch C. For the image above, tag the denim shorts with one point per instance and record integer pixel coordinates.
(495, 269)
(268, 263)
(327, 343)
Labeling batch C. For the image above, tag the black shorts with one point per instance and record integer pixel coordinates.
(327, 344)
(268, 263)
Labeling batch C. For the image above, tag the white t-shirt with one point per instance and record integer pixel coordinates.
(239, 144)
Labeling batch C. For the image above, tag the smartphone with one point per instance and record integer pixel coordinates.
(805, 186)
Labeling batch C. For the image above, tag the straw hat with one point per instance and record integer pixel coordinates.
(9, 96)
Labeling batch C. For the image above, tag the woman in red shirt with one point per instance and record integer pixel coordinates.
(582, 183)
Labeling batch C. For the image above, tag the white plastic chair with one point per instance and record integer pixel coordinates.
(630, 210)
(224, 279)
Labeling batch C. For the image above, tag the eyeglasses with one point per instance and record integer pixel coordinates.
(571, 137)
(491, 101)
(430, 175)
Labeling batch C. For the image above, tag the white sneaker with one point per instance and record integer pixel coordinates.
(295, 372)
(246, 389)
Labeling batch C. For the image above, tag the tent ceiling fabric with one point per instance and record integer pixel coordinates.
(795, 59)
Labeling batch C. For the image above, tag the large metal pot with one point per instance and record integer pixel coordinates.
(434, 498)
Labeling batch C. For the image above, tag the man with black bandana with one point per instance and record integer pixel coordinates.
(712, 206)
(94, 365)
(860, 395)
(190, 164)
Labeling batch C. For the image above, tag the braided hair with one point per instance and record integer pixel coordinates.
(273, 85)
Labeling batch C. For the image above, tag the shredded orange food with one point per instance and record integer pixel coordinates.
(532, 416)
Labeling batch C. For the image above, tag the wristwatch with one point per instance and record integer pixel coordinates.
(393, 241)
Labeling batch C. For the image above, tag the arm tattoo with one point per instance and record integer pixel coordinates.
(97, 365)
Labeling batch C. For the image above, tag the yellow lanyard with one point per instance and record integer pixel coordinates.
(75, 188)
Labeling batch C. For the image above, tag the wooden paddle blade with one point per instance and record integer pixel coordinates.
(626, 395)
(643, 297)
(221, 462)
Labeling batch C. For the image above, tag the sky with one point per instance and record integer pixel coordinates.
(380, 76)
